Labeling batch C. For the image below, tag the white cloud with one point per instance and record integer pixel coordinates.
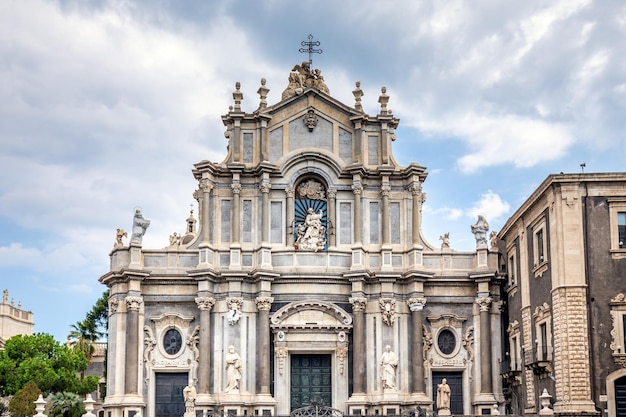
(490, 205)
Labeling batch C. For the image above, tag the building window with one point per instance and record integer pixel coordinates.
(621, 229)
(617, 221)
(539, 246)
(618, 333)
(543, 336)
(512, 270)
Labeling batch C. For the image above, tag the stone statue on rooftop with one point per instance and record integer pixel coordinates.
(139, 227)
(302, 77)
(480, 229)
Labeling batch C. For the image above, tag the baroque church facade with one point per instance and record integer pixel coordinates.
(305, 279)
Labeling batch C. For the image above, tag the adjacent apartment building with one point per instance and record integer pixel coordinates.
(564, 251)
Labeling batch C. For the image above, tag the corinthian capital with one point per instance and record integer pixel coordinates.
(385, 190)
(264, 303)
(236, 187)
(205, 303)
(265, 186)
(358, 303)
(357, 188)
(133, 303)
(416, 303)
(484, 303)
(205, 185)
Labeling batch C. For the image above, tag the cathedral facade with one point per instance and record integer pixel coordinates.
(305, 279)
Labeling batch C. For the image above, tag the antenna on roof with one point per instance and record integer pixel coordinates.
(582, 167)
(309, 48)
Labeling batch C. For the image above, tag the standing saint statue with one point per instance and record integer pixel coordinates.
(139, 227)
(443, 398)
(189, 393)
(388, 365)
(233, 370)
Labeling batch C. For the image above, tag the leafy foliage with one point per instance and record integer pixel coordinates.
(66, 404)
(23, 403)
(41, 359)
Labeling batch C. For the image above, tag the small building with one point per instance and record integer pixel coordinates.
(305, 279)
(13, 319)
(564, 251)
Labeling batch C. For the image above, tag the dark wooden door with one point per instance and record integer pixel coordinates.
(620, 397)
(455, 381)
(169, 400)
(311, 381)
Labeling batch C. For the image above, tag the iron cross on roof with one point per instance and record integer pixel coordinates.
(309, 48)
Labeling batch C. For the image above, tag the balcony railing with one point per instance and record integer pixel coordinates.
(539, 359)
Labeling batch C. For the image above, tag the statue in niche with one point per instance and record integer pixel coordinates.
(139, 227)
(480, 229)
(388, 365)
(189, 393)
(233, 370)
(443, 398)
(311, 233)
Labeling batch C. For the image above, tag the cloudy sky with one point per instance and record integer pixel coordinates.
(106, 105)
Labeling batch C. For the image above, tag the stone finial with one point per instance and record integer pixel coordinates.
(545, 400)
(237, 96)
(383, 99)
(358, 93)
(262, 92)
(89, 402)
(40, 405)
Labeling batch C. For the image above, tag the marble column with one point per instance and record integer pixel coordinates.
(384, 191)
(263, 304)
(205, 187)
(416, 191)
(332, 218)
(265, 187)
(205, 304)
(358, 334)
(236, 223)
(357, 189)
(416, 305)
(485, 344)
(133, 305)
(290, 192)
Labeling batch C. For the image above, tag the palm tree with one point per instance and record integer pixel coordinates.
(66, 404)
(82, 337)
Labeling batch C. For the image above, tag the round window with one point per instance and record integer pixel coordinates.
(446, 341)
(172, 341)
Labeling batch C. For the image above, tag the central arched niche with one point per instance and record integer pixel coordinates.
(310, 214)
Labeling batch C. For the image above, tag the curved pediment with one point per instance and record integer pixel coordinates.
(311, 315)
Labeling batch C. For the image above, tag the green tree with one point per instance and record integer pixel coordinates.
(66, 404)
(41, 359)
(23, 402)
